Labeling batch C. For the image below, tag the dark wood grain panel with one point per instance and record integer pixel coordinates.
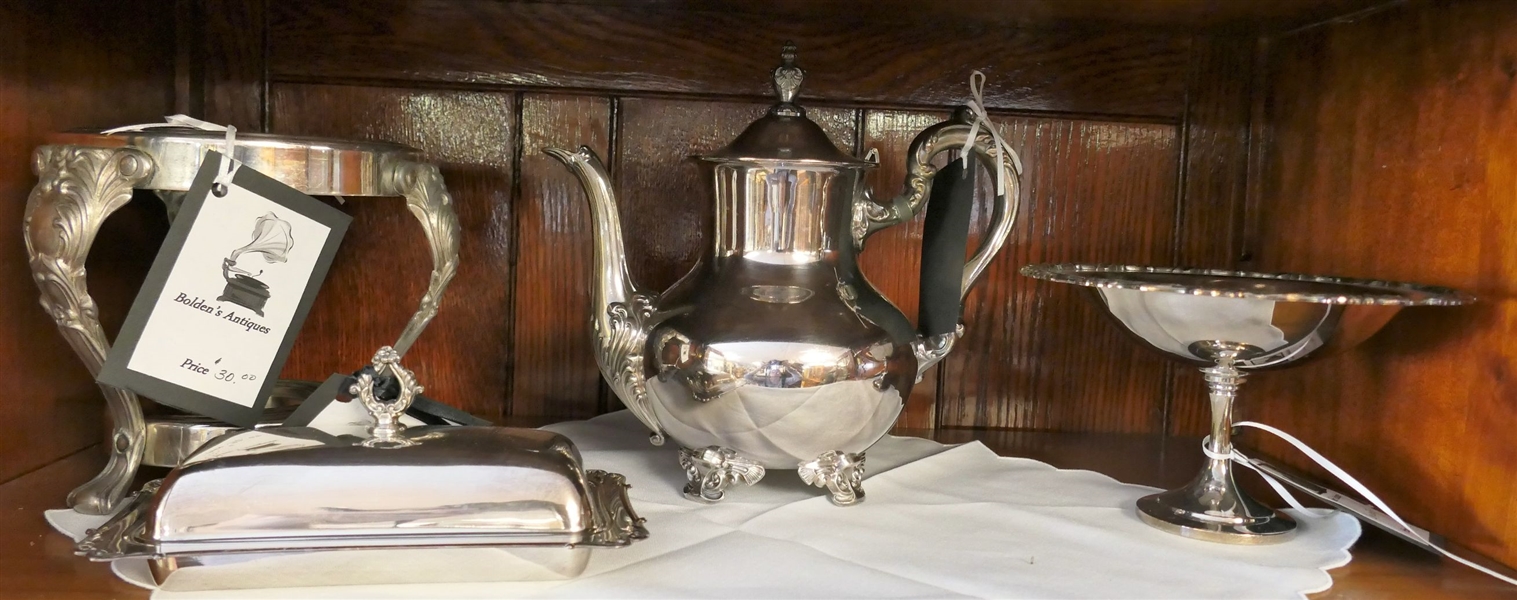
(231, 62)
(924, 60)
(1034, 354)
(1214, 177)
(189, 95)
(1178, 14)
(662, 197)
(1215, 138)
(554, 372)
(1393, 157)
(892, 259)
(64, 66)
(383, 265)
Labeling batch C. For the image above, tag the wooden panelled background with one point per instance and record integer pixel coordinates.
(483, 87)
(65, 65)
(1195, 132)
(1392, 153)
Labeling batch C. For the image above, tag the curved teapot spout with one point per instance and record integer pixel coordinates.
(622, 315)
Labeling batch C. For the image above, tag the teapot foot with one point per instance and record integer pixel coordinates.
(840, 472)
(713, 468)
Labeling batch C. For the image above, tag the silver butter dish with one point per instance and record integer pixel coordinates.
(296, 506)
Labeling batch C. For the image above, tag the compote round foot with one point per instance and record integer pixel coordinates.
(1212, 510)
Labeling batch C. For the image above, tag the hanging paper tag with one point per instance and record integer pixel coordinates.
(232, 284)
(1378, 514)
(1369, 514)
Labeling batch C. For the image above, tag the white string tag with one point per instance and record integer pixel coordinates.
(1405, 528)
(229, 165)
(1001, 149)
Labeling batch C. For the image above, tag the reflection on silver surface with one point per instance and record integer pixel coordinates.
(793, 207)
(1280, 319)
(368, 566)
(260, 489)
(775, 349)
(172, 437)
(842, 475)
(1181, 325)
(429, 504)
(524, 547)
(1280, 287)
(711, 470)
(515, 499)
(319, 166)
(283, 483)
(779, 294)
(1230, 323)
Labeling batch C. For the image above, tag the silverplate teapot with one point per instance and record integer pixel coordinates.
(774, 351)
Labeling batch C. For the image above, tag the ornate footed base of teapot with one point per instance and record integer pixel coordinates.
(713, 468)
(840, 472)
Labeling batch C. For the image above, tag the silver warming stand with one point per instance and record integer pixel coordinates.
(85, 177)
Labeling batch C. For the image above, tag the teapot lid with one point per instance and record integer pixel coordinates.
(785, 134)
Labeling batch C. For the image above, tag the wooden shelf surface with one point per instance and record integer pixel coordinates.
(39, 563)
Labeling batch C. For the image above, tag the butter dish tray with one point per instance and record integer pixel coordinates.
(297, 506)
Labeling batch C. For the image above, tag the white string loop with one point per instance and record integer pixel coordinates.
(1343, 476)
(1241, 459)
(981, 118)
(229, 166)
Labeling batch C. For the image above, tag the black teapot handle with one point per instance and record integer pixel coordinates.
(945, 239)
(946, 276)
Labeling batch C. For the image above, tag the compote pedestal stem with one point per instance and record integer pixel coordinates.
(1212, 507)
(1222, 382)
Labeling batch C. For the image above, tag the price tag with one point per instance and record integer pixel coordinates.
(232, 284)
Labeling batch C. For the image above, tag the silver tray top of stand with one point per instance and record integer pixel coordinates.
(317, 166)
(1241, 284)
(1268, 320)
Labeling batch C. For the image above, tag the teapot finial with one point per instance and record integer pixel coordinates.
(787, 82)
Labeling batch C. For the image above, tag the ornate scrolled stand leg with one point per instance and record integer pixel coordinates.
(713, 468)
(428, 199)
(77, 189)
(840, 472)
(1212, 507)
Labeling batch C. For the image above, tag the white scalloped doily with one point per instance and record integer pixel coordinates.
(939, 522)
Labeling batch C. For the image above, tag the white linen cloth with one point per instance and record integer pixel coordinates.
(939, 522)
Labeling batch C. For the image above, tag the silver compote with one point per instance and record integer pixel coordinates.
(1228, 323)
(774, 352)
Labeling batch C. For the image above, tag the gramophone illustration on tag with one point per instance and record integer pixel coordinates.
(273, 241)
